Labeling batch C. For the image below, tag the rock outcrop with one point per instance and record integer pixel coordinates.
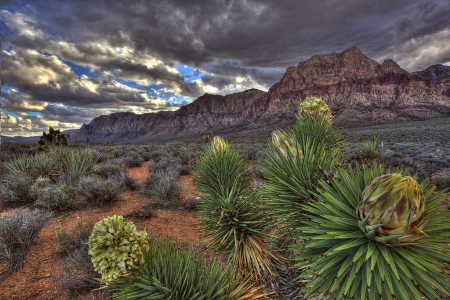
(359, 91)
(435, 73)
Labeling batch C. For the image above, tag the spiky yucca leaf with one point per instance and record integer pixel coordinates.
(80, 163)
(170, 272)
(231, 215)
(347, 264)
(218, 171)
(289, 178)
(33, 166)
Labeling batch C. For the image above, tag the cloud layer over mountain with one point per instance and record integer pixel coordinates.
(65, 62)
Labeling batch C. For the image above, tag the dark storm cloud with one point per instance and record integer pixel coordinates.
(235, 45)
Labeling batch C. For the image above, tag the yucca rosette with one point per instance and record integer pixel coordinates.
(391, 208)
(314, 108)
(286, 143)
(115, 247)
(219, 144)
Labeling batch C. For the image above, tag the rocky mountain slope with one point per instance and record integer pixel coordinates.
(435, 73)
(359, 90)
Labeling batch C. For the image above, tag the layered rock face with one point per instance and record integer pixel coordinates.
(359, 91)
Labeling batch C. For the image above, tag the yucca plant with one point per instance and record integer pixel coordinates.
(40, 165)
(375, 236)
(231, 214)
(368, 150)
(297, 158)
(168, 271)
(289, 177)
(80, 163)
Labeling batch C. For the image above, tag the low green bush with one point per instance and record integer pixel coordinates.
(55, 197)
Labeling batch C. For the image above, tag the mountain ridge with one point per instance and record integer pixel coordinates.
(358, 90)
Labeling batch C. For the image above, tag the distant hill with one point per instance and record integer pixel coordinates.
(29, 139)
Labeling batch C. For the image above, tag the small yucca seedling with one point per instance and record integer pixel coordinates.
(368, 150)
(376, 236)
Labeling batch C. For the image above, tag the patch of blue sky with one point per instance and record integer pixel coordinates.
(6, 87)
(33, 113)
(79, 70)
(10, 113)
(189, 72)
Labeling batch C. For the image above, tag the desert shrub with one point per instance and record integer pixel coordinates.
(164, 163)
(101, 156)
(76, 236)
(55, 197)
(76, 273)
(162, 185)
(99, 191)
(159, 153)
(132, 159)
(109, 169)
(146, 156)
(127, 181)
(183, 157)
(40, 183)
(367, 150)
(118, 152)
(16, 189)
(443, 180)
(17, 232)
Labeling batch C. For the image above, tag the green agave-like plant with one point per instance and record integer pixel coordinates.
(290, 178)
(34, 166)
(231, 214)
(80, 163)
(168, 271)
(346, 257)
(58, 161)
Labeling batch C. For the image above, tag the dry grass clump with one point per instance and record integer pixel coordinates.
(17, 232)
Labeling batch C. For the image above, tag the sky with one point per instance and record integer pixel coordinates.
(64, 63)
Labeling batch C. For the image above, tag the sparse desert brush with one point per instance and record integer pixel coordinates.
(17, 232)
(132, 159)
(75, 237)
(109, 169)
(15, 189)
(55, 197)
(99, 191)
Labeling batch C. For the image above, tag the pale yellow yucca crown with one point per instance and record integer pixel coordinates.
(314, 108)
(115, 246)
